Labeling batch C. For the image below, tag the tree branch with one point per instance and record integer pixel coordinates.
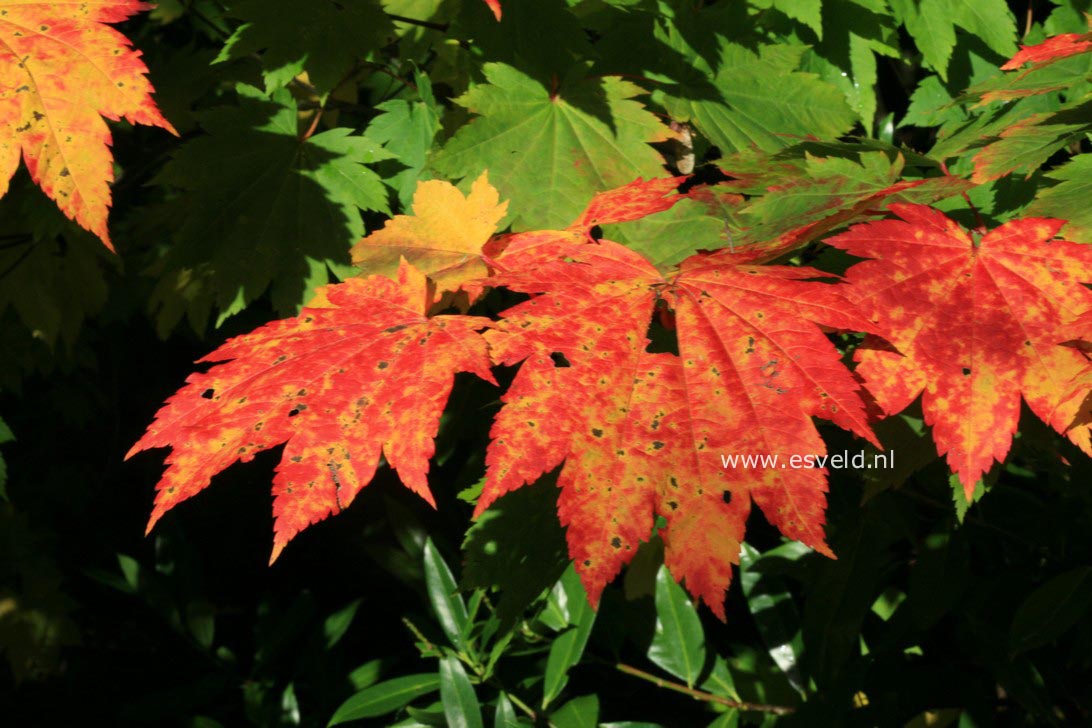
(701, 694)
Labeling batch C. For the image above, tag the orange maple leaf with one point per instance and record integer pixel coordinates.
(642, 434)
(495, 6)
(61, 70)
(974, 324)
(366, 373)
(1052, 49)
(443, 238)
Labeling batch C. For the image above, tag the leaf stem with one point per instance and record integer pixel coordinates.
(701, 694)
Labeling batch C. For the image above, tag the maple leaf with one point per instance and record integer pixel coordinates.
(797, 196)
(443, 238)
(260, 207)
(641, 434)
(322, 38)
(932, 24)
(495, 6)
(1052, 49)
(62, 69)
(362, 374)
(521, 124)
(975, 325)
(1069, 199)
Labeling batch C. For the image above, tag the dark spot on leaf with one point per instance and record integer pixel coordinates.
(673, 505)
(393, 329)
(382, 365)
(597, 432)
(616, 542)
(966, 371)
(727, 496)
(293, 412)
(587, 562)
(297, 458)
(656, 445)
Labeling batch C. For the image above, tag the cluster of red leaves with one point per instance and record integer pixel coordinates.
(973, 325)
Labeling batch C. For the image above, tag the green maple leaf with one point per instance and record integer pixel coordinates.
(321, 37)
(53, 272)
(932, 24)
(855, 31)
(262, 207)
(407, 129)
(1069, 200)
(752, 100)
(549, 151)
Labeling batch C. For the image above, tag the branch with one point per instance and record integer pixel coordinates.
(701, 694)
(442, 27)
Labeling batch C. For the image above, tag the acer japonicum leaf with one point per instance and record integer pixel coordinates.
(973, 326)
(62, 69)
(361, 373)
(642, 434)
(443, 238)
(1052, 49)
(796, 197)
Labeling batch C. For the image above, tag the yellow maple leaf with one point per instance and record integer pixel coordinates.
(443, 238)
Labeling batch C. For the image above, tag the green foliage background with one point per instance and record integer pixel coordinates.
(304, 125)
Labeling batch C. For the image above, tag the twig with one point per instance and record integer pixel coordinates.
(442, 27)
(702, 695)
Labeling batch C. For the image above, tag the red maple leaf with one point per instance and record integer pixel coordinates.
(975, 324)
(1052, 49)
(643, 434)
(362, 373)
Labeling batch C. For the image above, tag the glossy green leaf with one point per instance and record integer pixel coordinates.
(1051, 610)
(771, 604)
(385, 697)
(337, 624)
(582, 712)
(678, 645)
(461, 707)
(443, 594)
(567, 648)
(505, 714)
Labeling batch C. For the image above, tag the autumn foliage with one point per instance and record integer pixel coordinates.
(970, 325)
(589, 278)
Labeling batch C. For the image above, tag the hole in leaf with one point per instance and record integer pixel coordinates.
(559, 360)
(966, 371)
(661, 340)
(727, 496)
(208, 393)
